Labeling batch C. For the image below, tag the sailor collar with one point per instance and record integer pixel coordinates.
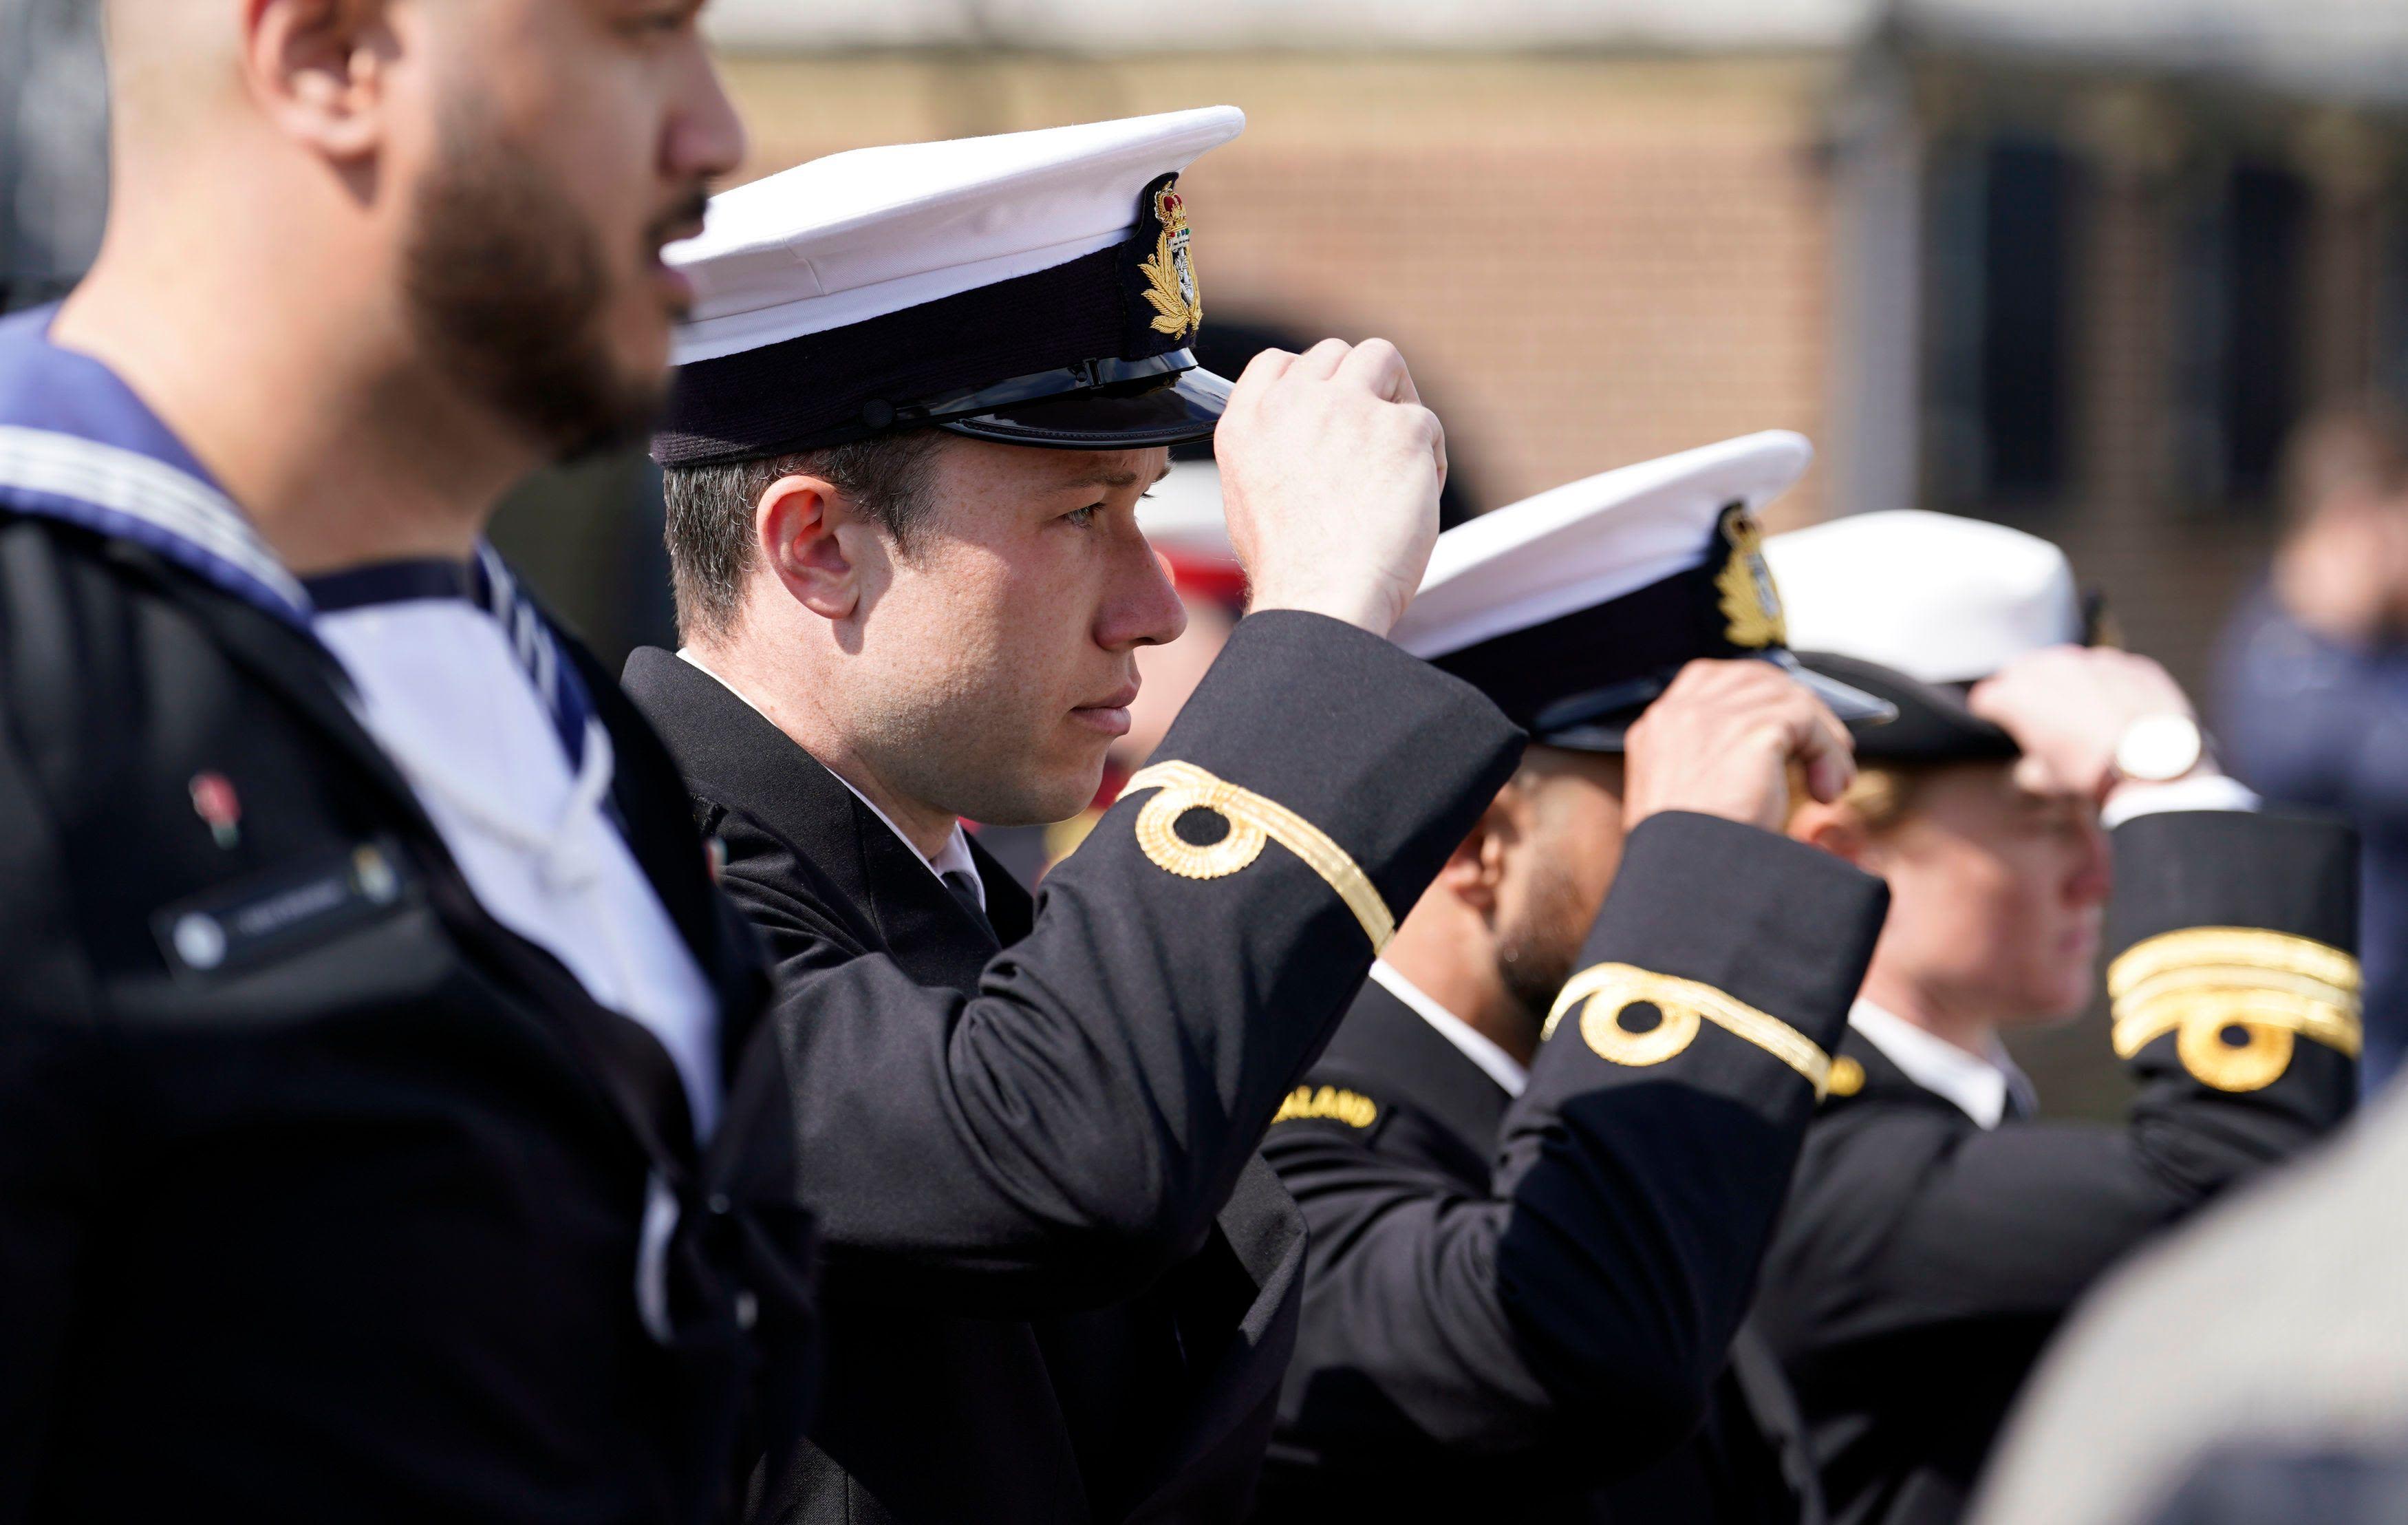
(76, 445)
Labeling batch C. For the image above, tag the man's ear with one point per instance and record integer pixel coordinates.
(795, 526)
(321, 71)
(1835, 829)
(1476, 868)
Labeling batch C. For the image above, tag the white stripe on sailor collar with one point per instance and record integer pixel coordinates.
(113, 479)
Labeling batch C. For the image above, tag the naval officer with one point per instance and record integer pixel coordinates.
(2037, 803)
(379, 1076)
(1528, 1258)
(923, 393)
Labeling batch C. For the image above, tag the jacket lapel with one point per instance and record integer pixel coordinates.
(731, 751)
(1385, 1043)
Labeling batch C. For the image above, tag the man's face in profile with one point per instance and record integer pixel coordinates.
(559, 144)
(997, 652)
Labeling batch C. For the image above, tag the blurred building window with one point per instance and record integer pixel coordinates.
(2239, 338)
(2000, 358)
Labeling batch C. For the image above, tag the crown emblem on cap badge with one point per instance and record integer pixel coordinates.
(1171, 275)
(1750, 602)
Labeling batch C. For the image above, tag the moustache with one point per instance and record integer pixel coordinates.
(682, 219)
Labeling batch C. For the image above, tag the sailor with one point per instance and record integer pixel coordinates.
(388, 1130)
(2037, 803)
(1530, 1258)
(923, 393)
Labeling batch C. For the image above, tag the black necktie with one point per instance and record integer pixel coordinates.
(965, 890)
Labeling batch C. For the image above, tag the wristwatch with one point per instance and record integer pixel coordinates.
(2160, 749)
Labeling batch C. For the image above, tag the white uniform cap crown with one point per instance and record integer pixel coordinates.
(1590, 541)
(856, 235)
(1938, 598)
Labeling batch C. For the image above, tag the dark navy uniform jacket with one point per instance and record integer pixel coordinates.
(346, 1213)
(1923, 1262)
(1508, 1306)
(1060, 1286)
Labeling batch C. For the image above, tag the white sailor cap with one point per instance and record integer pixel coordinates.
(1573, 610)
(1915, 607)
(1033, 288)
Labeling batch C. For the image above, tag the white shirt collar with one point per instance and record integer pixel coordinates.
(954, 857)
(1477, 1046)
(1979, 1086)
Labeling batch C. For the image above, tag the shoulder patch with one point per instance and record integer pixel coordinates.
(1305, 1102)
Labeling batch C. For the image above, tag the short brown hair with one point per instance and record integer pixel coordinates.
(709, 522)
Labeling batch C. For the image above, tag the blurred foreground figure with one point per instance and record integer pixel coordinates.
(1937, 1233)
(1528, 1258)
(387, 1132)
(2253, 1368)
(2314, 678)
(923, 391)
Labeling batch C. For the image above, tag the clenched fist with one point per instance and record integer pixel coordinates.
(1721, 742)
(1330, 469)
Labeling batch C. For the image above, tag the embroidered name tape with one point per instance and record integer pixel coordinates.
(2236, 998)
(281, 912)
(1305, 1103)
(1603, 993)
(1250, 820)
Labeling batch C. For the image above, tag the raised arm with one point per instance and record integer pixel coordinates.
(2235, 1004)
(1072, 1129)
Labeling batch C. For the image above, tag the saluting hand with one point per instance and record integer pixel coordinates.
(1721, 742)
(2068, 707)
(1330, 469)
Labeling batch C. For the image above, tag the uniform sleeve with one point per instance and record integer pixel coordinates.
(2234, 998)
(1062, 1137)
(50, 1105)
(1577, 1313)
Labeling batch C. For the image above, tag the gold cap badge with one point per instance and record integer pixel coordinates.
(1750, 602)
(1171, 275)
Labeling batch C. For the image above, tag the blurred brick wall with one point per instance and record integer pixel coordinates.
(1589, 260)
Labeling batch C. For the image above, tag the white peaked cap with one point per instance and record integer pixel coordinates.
(857, 235)
(1183, 513)
(1938, 598)
(1591, 541)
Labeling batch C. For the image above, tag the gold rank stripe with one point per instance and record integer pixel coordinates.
(2243, 947)
(2226, 1005)
(1605, 992)
(1251, 820)
(2214, 976)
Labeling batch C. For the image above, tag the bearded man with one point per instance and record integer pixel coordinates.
(1530, 1256)
(387, 1130)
